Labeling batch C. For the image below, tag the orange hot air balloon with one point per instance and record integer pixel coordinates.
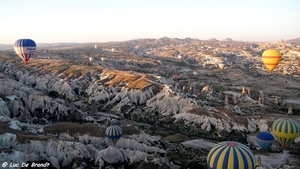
(271, 58)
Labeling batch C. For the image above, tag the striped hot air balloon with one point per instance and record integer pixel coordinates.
(285, 130)
(113, 133)
(265, 139)
(230, 155)
(25, 48)
(271, 58)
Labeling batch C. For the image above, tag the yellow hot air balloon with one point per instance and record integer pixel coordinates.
(285, 130)
(271, 58)
(230, 155)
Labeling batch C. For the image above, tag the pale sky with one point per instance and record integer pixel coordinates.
(50, 21)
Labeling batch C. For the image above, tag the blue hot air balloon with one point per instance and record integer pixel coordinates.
(113, 133)
(230, 155)
(265, 139)
(25, 48)
(285, 130)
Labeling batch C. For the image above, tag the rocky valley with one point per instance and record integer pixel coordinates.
(169, 96)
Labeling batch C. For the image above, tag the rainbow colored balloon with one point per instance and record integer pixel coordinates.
(271, 58)
(285, 130)
(230, 155)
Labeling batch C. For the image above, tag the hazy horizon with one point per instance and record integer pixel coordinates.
(62, 42)
(104, 21)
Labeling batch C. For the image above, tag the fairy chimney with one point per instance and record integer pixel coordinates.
(235, 100)
(226, 100)
(244, 92)
(290, 110)
(258, 161)
(108, 122)
(262, 98)
(206, 88)
(220, 95)
(184, 89)
(191, 90)
(259, 100)
(276, 100)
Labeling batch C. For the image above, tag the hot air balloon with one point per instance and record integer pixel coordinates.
(230, 155)
(265, 139)
(96, 47)
(113, 133)
(25, 48)
(195, 73)
(271, 58)
(91, 59)
(180, 56)
(113, 50)
(285, 130)
(221, 65)
(175, 77)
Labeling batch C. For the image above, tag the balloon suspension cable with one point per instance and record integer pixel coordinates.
(112, 142)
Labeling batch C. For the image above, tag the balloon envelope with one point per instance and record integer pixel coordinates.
(285, 130)
(91, 59)
(96, 47)
(271, 58)
(25, 48)
(221, 66)
(180, 56)
(230, 155)
(113, 133)
(264, 139)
